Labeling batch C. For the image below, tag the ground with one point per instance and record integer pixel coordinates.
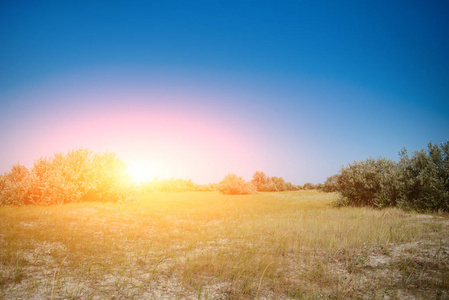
(203, 245)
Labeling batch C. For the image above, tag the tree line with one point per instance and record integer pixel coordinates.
(260, 182)
(418, 181)
(81, 175)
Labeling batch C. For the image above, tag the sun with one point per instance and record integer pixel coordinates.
(140, 173)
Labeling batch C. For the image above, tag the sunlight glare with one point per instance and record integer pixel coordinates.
(140, 173)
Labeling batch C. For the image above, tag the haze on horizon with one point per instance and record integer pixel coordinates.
(199, 89)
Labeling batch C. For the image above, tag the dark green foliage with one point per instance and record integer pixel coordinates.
(330, 185)
(425, 178)
(419, 182)
(372, 182)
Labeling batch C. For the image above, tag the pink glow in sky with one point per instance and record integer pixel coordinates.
(169, 141)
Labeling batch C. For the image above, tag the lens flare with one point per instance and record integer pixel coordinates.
(140, 173)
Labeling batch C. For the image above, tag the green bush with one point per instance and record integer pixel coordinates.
(330, 185)
(235, 185)
(418, 182)
(425, 178)
(372, 182)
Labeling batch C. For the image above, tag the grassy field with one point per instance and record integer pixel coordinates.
(204, 245)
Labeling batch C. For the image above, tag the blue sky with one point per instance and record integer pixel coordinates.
(302, 87)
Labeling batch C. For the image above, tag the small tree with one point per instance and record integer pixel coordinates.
(235, 185)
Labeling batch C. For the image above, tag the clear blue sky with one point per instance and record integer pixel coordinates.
(294, 88)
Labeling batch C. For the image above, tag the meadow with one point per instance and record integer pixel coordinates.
(206, 245)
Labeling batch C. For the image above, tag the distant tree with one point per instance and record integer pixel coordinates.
(263, 183)
(289, 186)
(259, 180)
(235, 185)
(280, 183)
(330, 185)
(308, 186)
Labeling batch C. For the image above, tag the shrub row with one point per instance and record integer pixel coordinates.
(76, 176)
(235, 185)
(263, 183)
(419, 181)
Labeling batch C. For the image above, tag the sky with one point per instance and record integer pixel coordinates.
(200, 89)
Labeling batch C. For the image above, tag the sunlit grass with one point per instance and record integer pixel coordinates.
(208, 245)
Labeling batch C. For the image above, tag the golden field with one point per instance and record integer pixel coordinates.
(205, 245)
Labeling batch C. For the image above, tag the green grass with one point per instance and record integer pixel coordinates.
(210, 246)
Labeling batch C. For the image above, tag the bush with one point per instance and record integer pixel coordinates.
(308, 186)
(73, 177)
(330, 185)
(280, 183)
(372, 182)
(263, 183)
(419, 182)
(425, 178)
(14, 186)
(235, 185)
(61, 179)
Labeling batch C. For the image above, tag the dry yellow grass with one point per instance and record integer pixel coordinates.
(209, 246)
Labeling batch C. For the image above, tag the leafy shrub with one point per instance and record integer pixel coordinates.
(372, 182)
(61, 179)
(73, 177)
(263, 183)
(419, 182)
(235, 185)
(280, 183)
(109, 178)
(308, 186)
(425, 178)
(330, 185)
(14, 186)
